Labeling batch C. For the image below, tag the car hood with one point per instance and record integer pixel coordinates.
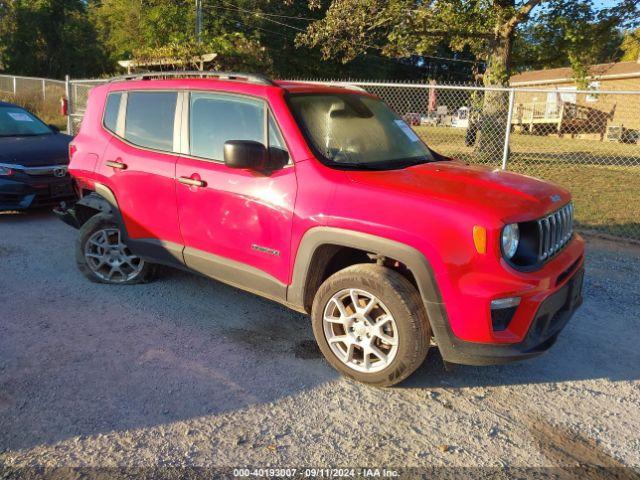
(35, 151)
(512, 196)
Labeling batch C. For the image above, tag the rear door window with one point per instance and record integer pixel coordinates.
(150, 119)
(217, 118)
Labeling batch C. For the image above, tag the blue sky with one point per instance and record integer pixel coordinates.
(604, 3)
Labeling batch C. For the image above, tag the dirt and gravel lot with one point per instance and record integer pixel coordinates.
(187, 371)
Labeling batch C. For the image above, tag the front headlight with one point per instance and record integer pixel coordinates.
(510, 239)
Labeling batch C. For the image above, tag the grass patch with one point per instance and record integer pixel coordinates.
(604, 177)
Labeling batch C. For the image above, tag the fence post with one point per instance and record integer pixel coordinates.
(67, 94)
(15, 85)
(507, 135)
(44, 90)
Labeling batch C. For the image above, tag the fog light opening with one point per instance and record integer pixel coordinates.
(502, 312)
(505, 303)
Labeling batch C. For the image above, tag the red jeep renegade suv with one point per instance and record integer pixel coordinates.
(323, 199)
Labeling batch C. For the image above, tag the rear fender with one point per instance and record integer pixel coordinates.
(100, 201)
(150, 249)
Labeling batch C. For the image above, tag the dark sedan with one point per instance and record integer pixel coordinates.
(33, 161)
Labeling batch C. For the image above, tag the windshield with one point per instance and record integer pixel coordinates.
(15, 121)
(356, 130)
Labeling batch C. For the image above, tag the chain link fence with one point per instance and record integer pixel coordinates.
(40, 95)
(585, 141)
(78, 97)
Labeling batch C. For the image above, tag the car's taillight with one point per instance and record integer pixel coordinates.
(72, 150)
(5, 171)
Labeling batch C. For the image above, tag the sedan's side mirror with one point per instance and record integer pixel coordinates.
(54, 128)
(246, 154)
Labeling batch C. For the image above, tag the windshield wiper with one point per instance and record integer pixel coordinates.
(359, 166)
(386, 165)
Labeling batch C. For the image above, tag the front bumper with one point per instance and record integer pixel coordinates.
(18, 193)
(552, 316)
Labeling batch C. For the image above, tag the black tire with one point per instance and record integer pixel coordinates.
(403, 301)
(96, 223)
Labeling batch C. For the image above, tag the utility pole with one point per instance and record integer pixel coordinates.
(199, 20)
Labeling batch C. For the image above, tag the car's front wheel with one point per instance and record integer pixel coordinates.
(103, 257)
(370, 324)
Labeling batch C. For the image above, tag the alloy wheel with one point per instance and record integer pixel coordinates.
(360, 330)
(109, 258)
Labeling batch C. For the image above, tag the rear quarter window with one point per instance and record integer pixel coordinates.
(111, 110)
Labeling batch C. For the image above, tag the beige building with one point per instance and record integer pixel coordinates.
(565, 111)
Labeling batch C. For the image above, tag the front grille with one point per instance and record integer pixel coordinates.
(554, 232)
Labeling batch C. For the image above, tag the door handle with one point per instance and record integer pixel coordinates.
(116, 164)
(192, 182)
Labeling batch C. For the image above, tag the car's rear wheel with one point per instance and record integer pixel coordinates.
(103, 257)
(370, 324)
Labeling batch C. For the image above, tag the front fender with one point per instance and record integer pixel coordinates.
(319, 236)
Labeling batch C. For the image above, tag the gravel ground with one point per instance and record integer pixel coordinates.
(187, 371)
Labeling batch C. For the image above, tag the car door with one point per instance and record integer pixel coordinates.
(235, 223)
(139, 165)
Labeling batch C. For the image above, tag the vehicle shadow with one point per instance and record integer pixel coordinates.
(80, 359)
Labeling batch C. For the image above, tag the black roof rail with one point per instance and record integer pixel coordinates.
(242, 77)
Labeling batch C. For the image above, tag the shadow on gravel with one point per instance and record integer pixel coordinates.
(180, 348)
(575, 356)
(79, 359)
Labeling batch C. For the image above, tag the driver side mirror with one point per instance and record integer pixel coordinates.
(245, 154)
(253, 156)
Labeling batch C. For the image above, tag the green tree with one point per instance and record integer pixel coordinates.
(567, 34)
(48, 38)
(275, 24)
(164, 29)
(400, 28)
(630, 46)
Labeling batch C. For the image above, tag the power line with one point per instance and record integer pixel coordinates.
(259, 14)
(266, 14)
(281, 34)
